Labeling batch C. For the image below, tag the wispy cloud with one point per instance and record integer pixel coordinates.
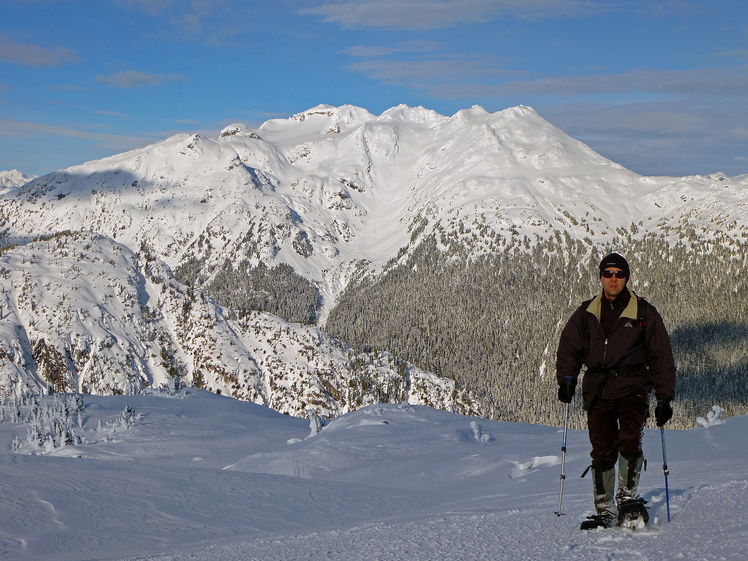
(151, 7)
(419, 65)
(29, 54)
(431, 73)
(67, 88)
(137, 79)
(368, 51)
(434, 14)
(25, 129)
(737, 134)
(673, 137)
(737, 53)
(203, 21)
(729, 81)
(113, 114)
(652, 119)
(456, 76)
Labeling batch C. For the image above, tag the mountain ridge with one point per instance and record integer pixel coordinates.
(333, 187)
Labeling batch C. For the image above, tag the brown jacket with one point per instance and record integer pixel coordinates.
(617, 365)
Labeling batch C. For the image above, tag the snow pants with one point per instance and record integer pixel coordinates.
(616, 427)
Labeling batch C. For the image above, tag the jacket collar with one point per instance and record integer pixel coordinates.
(629, 312)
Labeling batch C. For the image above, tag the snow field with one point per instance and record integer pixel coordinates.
(204, 477)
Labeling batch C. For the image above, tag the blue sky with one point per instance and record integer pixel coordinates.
(658, 86)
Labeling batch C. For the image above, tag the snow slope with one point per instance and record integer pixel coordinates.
(204, 477)
(85, 313)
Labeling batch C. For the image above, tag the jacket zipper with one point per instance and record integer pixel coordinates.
(605, 352)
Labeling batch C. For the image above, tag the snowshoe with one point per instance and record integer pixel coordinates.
(605, 520)
(632, 514)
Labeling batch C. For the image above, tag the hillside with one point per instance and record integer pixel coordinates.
(83, 313)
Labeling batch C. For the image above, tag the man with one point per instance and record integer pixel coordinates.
(624, 344)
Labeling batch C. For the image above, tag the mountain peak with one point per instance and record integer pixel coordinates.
(322, 119)
(14, 178)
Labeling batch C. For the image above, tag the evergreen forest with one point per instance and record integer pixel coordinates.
(492, 321)
(242, 289)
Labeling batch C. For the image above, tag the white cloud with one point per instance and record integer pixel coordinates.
(137, 79)
(474, 76)
(151, 7)
(434, 14)
(67, 88)
(207, 21)
(737, 53)
(114, 142)
(729, 81)
(28, 54)
(113, 114)
(432, 73)
(738, 134)
(672, 138)
(363, 51)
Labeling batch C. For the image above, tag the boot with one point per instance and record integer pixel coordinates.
(603, 485)
(603, 482)
(629, 472)
(631, 510)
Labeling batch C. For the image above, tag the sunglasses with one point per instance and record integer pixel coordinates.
(617, 274)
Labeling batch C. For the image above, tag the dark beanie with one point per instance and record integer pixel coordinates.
(615, 260)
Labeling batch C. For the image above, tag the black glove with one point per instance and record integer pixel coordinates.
(663, 412)
(566, 389)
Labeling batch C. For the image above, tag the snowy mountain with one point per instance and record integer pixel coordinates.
(190, 475)
(333, 187)
(14, 178)
(165, 260)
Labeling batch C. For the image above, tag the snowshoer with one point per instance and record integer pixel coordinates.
(622, 341)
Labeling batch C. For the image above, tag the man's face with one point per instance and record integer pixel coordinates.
(612, 285)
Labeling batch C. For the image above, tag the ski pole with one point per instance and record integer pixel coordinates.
(665, 470)
(563, 462)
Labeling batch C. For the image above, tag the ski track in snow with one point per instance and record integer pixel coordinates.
(210, 478)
